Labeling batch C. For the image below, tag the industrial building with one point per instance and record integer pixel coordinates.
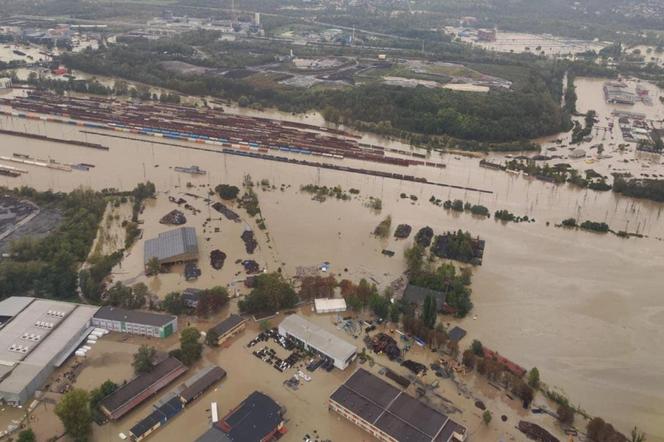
(315, 338)
(141, 388)
(329, 305)
(203, 380)
(135, 322)
(257, 418)
(37, 336)
(228, 328)
(389, 414)
(175, 401)
(156, 419)
(173, 246)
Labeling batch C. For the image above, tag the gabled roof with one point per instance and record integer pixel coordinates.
(392, 411)
(256, 417)
(171, 244)
(210, 377)
(415, 294)
(140, 383)
(227, 324)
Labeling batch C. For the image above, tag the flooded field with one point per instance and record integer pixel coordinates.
(584, 308)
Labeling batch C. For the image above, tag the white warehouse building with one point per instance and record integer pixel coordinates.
(314, 337)
(329, 305)
(36, 337)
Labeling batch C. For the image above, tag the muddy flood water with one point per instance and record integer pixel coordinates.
(585, 308)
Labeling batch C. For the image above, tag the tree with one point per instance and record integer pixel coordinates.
(173, 303)
(565, 414)
(534, 377)
(379, 305)
(382, 230)
(227, 192)
(190, 347)
(313, 287)
(26, 436)
(131, 298)
(414, 258)
(637, 435)
(395, 313)
(212, 338)
(486, 417)
(143, 359)
(429, 311)
(270, 294)
(74, 412)
(477, 348)
(211, 301)
(153, 267)
(468, 359)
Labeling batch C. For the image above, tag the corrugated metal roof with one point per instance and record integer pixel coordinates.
(316, 337)
(14, 305)
(329, 304)
(209, 378)
(171, 244)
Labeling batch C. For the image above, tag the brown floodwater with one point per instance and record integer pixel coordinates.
(584, 308)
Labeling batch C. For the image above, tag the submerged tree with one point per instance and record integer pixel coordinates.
(74, 412)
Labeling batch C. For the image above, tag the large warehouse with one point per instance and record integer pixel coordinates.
(314, 337)
(177, 245)
(37, 337)
(391, 415)
(135, 322)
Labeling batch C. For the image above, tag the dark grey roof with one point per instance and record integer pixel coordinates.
(171, 244)
(357, 404)
(214, 434)
(255, 418)
(214, 375)
(160, 414)
(401, 416)
(133, 316)
(456, 334)
(227, 324)
(416, 295)
(140, 383)
(146, 424)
